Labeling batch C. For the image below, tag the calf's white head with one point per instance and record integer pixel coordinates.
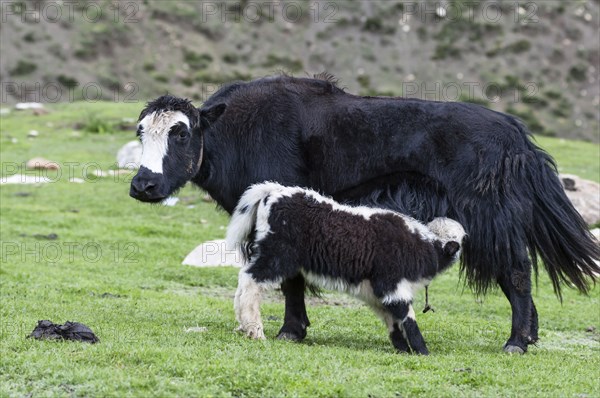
(451, 234)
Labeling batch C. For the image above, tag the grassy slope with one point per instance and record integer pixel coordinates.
(144, 350)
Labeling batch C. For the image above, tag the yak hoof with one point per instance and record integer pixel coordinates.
(532, 339)
(513, 349)
(289, 336)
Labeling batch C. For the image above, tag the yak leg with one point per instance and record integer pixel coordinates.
(533, 331)
(516, 285)
(296, 320)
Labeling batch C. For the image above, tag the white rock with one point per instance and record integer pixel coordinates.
(119, 172)
(110, 173)
(24, 179)
(21, 106)
(130, 155)
(4, 111)
(42, 163)
(584, 195)
(33, 133)
(76, 180)
(213, 253)
(170, 201)
(207, 198)
(196, 329)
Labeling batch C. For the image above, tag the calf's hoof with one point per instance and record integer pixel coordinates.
(513, 349)
(253, 331)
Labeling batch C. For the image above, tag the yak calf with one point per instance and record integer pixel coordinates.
(377, 255)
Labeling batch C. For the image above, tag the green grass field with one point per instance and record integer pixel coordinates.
(116, 266)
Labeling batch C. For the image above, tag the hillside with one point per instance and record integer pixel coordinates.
(538, 61)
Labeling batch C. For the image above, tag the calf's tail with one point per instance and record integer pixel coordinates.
(241, 229)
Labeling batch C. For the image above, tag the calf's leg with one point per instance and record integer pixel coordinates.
(404, 317)
(247, 306)
(398, 339)
(296, 320)
(396, 334)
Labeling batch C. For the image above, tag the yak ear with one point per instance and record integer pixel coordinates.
(210, 115)
(451, 248)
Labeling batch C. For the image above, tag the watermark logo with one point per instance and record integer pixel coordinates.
(53, 92)
(69, 252)
(492, 92)
(51, 172)
(69, 11)
(207, 11)
(469, 11)
(257, 12)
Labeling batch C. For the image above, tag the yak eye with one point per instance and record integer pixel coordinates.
(179, 132)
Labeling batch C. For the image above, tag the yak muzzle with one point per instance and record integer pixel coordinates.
(147, 186)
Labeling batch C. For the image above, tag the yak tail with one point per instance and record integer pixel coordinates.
(559, 234)
(513, 205)
(240, 232)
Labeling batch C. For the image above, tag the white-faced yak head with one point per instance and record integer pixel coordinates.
(171, 132)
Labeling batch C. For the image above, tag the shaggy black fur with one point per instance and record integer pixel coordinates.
(338, 248)
(310, 236)
(423, 158)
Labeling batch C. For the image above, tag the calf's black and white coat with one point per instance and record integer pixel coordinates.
(378, 255)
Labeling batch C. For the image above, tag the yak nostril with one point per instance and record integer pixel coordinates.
(149, 185)
(140, 185)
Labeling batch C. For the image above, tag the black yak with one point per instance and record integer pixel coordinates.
(426, 159)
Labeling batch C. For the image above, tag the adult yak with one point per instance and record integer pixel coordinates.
(423, 158)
